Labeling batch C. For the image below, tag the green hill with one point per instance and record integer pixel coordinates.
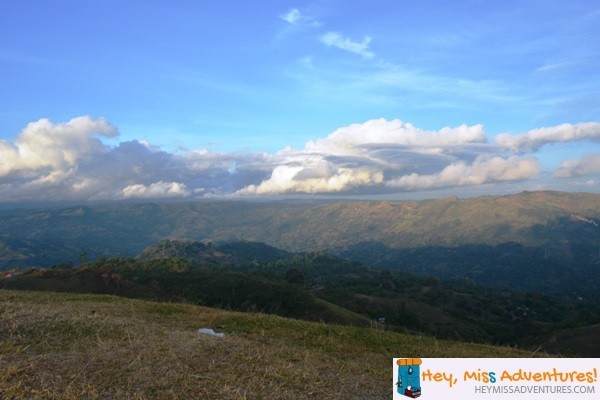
(175, 280)
(229, 253)
(321, 287)
(74, 346)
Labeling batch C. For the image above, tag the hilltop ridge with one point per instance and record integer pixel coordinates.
(73, 346)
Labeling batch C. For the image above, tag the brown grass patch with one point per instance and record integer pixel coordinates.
(65, 346)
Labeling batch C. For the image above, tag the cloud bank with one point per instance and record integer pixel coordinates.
(484, 169)
(70, 161)
(536, 138)
(587, 165)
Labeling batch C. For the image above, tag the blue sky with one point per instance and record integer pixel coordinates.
(216, 92)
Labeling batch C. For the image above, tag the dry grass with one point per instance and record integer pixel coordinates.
(65, 346)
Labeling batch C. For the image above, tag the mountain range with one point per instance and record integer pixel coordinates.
(532, 241)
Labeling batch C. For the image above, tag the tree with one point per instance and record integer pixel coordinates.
(294, 275)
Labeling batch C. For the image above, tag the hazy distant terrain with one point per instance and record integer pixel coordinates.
(527, 241)
(529, 218)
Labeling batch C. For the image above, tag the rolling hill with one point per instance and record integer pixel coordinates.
(249, 276)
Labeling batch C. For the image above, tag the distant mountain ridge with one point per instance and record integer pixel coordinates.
(46, 237)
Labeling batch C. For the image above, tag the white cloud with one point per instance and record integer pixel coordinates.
(295, 17)
(589, 164)
(156, 190)
(292, 17)
(314, 176)
(484, 169)
(335, 39)
(44, 146)
(381, 154)
(536, 138)
(69, 161)
(354, 138)
(557, 66)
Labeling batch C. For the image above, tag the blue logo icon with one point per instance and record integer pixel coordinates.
(409, 377)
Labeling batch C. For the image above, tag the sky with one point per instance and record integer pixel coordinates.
(128, 100)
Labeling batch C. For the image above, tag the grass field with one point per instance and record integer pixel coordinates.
(76, 346)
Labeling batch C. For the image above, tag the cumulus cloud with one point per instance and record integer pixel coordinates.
(318, 176)
(384, 154)
(335, 39)
(536, 138)
(50, 161)
(70, 161)
(589, 164)
(484, 169)
(157, 190)
(47, 148)
(353, 139)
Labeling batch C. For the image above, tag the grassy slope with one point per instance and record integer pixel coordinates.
(73, 346)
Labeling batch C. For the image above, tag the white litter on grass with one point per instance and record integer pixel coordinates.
(209, 331)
